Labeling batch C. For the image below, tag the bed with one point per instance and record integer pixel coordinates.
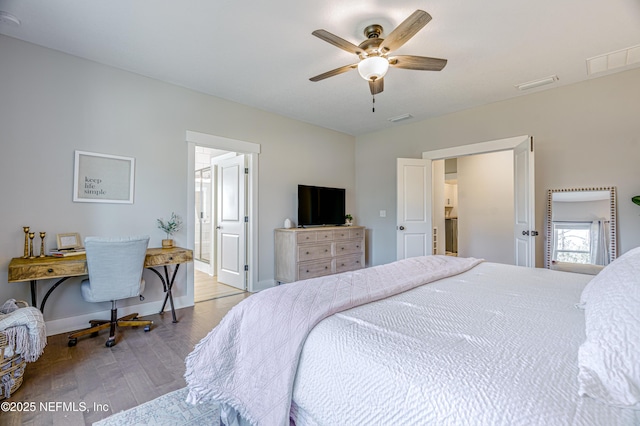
(483, 343)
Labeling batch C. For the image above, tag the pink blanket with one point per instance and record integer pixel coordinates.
(249, 361)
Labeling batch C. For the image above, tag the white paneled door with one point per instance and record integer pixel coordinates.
(231, 226)
(413, 229)
(524, 211)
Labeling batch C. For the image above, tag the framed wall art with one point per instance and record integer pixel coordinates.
(103, 178)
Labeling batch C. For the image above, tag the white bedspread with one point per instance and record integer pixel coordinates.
(249, 361)
(497, 345)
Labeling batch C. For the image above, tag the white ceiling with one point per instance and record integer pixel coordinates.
(262, 53)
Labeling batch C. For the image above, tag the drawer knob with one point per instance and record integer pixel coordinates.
(341, 248)
(342, 264)
(357, 246)
(326, 267)
(325, 250)
(49, 270)
(171, 258)
(307, 271)
(307, 252)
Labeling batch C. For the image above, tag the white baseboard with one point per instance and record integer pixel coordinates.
(65, 325)
(263, 285)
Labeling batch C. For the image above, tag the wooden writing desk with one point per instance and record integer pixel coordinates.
(63, 268)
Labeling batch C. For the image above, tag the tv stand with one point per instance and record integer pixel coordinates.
(302, 253)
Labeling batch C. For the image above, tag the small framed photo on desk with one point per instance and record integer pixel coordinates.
(71, 241)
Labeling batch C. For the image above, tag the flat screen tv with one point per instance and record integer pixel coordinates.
(318, 206)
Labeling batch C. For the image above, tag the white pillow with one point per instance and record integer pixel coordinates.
(609, 360)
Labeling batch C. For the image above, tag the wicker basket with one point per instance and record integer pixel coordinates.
(11, 368)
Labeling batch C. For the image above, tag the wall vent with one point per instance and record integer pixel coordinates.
(612, 60)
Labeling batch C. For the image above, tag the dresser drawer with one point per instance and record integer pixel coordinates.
(348, 247)
(318, 251)
(349, 263)
(306, 237)
(314, 269)
(342, 234)
(324, 236)
(356, 233)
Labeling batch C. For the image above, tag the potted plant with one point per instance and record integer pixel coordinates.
(348, 219)
(636, 199)
(169, 227)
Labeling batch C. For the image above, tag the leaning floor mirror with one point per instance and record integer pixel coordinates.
(581, 229)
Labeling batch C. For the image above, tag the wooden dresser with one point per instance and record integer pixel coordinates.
(302, 253)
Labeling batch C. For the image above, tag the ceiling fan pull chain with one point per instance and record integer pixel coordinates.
(373, 108)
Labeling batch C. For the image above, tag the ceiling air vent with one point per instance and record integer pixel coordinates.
(612, 60)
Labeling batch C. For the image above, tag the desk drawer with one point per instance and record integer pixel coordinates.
(314, 269)
(49, 268)
(348, 247)
(169, 256)
(320, 251)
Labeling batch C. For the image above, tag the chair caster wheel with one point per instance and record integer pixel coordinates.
(147, 328)
(72, 342)
(110, 343)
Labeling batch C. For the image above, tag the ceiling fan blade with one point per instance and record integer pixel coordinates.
(376, 86)
(407, 29)
(337, 41)
(420, 63)
(334, 72)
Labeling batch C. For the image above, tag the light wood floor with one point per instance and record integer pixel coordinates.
(207, 287)
(140, 367)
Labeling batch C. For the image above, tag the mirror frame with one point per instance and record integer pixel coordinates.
(613, 243)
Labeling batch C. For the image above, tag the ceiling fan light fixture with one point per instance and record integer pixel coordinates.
(373, 68)
(8, 18)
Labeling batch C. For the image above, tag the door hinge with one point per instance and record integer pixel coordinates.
(534, 233)
(246, 170)
(246, 267)
(531, 139)
(246, 218)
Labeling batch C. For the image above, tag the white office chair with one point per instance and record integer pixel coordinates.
(115, 272)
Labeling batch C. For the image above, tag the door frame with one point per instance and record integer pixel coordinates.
(507, 144)
(252, 151)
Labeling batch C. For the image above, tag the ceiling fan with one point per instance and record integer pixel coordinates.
(374, 52)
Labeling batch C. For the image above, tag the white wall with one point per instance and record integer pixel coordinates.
(485, 207)
(586, 135)
(52, 104)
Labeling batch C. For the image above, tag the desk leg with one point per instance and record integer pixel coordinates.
(46, 296)
(167, 285)
(34, 293)
(169, 295)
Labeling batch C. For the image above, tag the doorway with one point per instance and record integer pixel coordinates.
(207, 282)
(478, 207)
(417, 234)
(205, 153)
